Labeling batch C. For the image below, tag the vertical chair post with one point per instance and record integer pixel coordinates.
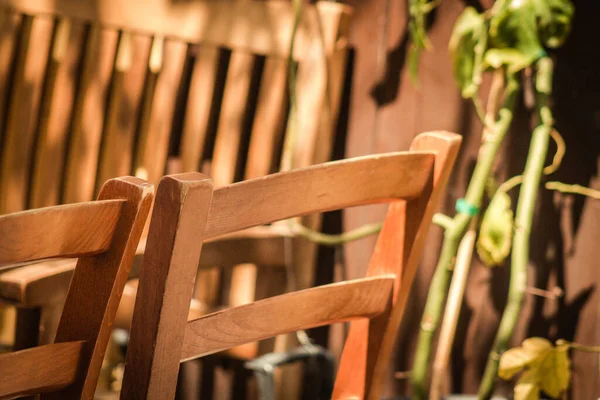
(398, 250)
(98, 283)
(166, 285)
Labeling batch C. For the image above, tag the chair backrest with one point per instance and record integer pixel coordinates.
(188, 211)
(97, 89)
(104, 235)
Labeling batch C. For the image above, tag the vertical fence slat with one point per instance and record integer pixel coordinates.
(56, 113)
(23, 110)
(88, 115)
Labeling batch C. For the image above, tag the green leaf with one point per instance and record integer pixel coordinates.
(545, 368)
(414, 57)
(554, 20)
(469, 31)
(495, 235)
(418, 10)
(536, 345)
(513, 31)
(514, 59)
(532, 351)
(555, 371)
(527, 387)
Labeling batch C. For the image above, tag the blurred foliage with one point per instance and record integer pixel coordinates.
(495, 233)
(545, 368)
(512, 34)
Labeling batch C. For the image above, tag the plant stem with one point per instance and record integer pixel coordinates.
(577, 346)
(573, 189)
(534, 166)
(452, 311)
(333, 240)
(492, 139)
(290, 142)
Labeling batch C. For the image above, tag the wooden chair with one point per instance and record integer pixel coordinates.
(104, 235)
(187, 212)
(106, 88)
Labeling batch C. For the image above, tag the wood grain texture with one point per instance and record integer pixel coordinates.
(166, 286)
(309, 308)
(324, 187)
(38, 284)
(124, 103)
(127, 305)
(9, 35)
(69, 231)
(269, 120)
(23, 109)
(98, 283)
(45, 283)
(198, 107)
(55, 114)
(232, 117)
(399, 246)
(256, 27)
(39, 369)
(164, 74)
(88, 114)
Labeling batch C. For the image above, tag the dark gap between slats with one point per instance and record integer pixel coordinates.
(181, 100)
(11, 79)
(215, 108)
(249, 113)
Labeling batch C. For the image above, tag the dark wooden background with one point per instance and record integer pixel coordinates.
(387, 111)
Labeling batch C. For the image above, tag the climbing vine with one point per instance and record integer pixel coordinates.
(509, 41)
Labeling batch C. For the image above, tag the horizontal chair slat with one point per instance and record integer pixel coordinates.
(257, 27)
(75, 230)
(55, 367)
(361, 298)
(319, 188)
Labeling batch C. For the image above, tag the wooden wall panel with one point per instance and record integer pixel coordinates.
(124, 103)
(23, 109)
(387, 111)
(88, 114)
(56, 108)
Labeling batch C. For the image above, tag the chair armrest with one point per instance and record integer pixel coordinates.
(36, 285)
(262, 245)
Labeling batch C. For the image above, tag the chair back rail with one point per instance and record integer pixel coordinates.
(304, 309)
(72, 230)
(161, 336)
(40, 369)
(324, 187)
(104, 235)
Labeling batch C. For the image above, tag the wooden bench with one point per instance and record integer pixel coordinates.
(97, 89)
(100, 89)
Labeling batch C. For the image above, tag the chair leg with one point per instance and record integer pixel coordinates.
(27, 329)
(190, 380)
(49, 320)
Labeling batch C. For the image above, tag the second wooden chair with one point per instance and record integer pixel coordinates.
(104, 234)
(187, 212)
